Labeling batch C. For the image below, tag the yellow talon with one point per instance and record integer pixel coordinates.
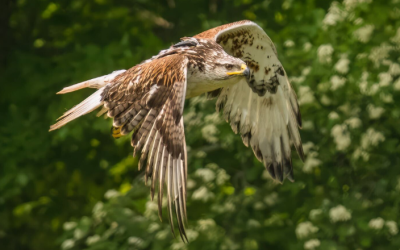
(116, 132)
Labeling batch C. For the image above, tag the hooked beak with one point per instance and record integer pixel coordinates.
(243, 72)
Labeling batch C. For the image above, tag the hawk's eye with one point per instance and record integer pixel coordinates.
(229, 66)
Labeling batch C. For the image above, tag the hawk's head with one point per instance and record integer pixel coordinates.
(209, 66)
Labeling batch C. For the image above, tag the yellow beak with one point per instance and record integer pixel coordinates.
(243, 68)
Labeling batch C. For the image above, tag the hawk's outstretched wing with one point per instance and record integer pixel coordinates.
(265, 109)
(148, 99)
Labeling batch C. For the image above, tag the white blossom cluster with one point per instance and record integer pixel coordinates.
(306, 95)
(337, 82)
(325, 52)
(341, 136)
(392, 227)
(375, 112)
(376, 223)
(371, 138)
(112, 193)
(379, 54)
(342, 66)
(315, 213)
(68, 244)
(335, 15)
(69, 225)
(93, 239)
(305, 229)
(205, 174)
(203, 194)
(364, 33)
(311, 162)
(339, 213)
(312, 244)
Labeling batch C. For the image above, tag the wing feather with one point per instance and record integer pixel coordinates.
(264, 109)
(147, 99)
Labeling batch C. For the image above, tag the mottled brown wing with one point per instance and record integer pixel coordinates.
(265, 109)
(148, 100)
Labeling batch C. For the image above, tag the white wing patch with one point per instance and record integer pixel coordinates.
(267, 114)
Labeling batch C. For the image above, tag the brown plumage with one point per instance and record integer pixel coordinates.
(148, 100)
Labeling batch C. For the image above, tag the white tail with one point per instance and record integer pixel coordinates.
(89, 104)
(92, 83)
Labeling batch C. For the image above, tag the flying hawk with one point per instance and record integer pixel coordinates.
(237, 63)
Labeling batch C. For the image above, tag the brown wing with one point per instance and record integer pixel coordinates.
(148, 100)
(265, 109)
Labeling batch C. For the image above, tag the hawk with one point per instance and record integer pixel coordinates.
(237, 63)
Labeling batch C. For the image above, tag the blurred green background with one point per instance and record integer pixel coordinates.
(78, 188)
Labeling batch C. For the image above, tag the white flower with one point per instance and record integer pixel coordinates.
(337, 82)
(396, 38)
(206, 174)
(333, 115)
(342, 66)
(112, 193)
(178, 246)
(135, 241)
(325, 53)
(341, 136)
(67, 244)
(304, 229)
(394, 69)
(353, 122)
(209, 133)
(359, 152)
(306, 95)
(92, 239)
(376, 223)
(191, 183)
(191, 234)
(339, 213)
(371, 138)
(392, 227)
(384, 79)
(364, 33)
(325, 100)
(222, 177)
(205, 224)
(289, 43)
(358, 21)
(334, 15)
(306, 71)
(311, 244)
(388, 98)
(380, 53)
(78, 233)
(69, 225)
(153, 227)
(271, 199)
(314, 214)
(396, 84)
(307, 46)
(98, 211)
(311, 162)
(375, 112)
(161, 235)
(253, 223)
(307, 147)
(202, 194)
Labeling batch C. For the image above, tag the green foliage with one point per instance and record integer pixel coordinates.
(78, 188)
